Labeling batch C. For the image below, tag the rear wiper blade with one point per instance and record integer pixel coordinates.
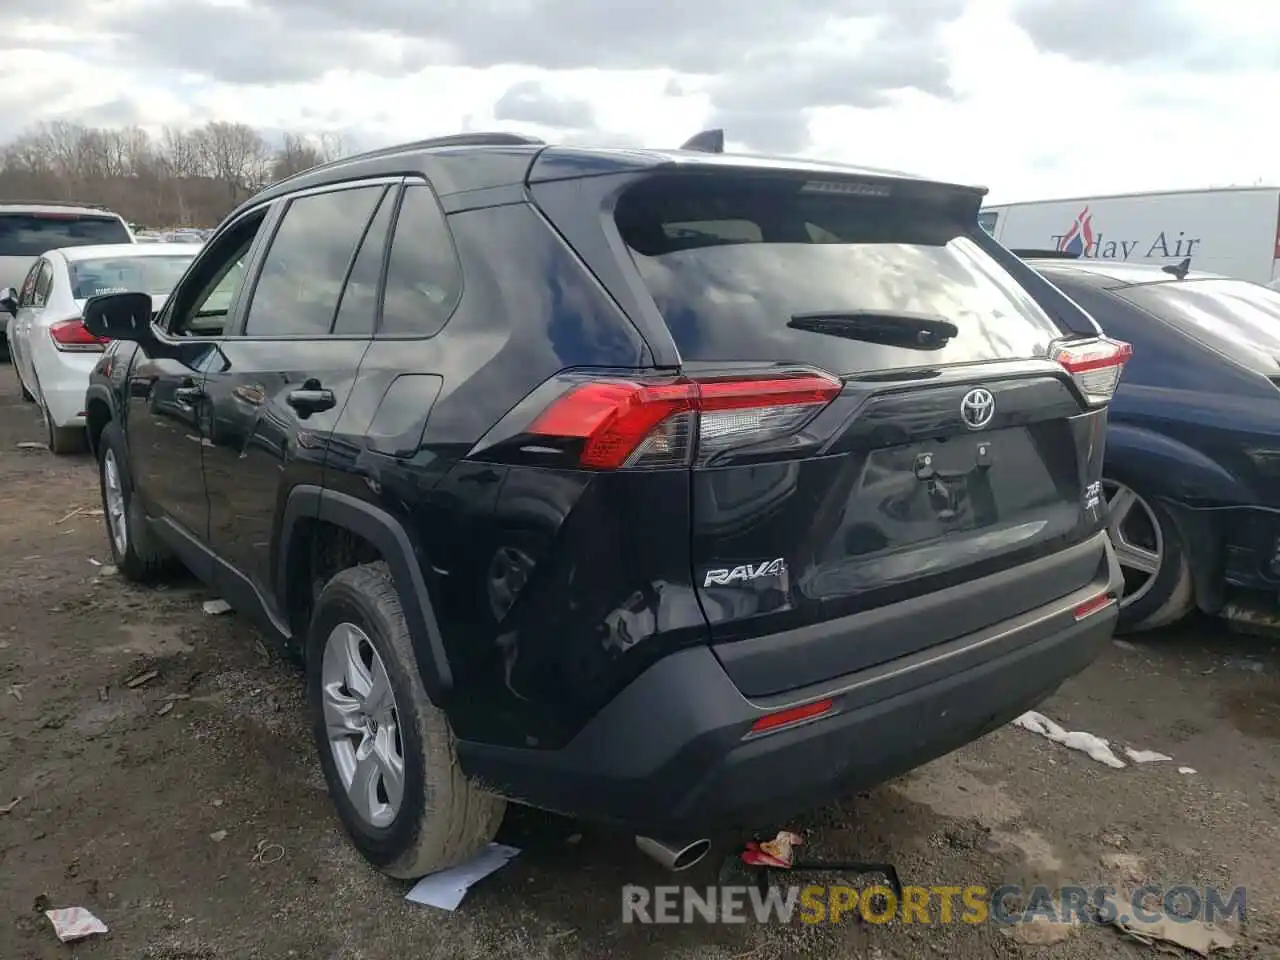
(893, 328)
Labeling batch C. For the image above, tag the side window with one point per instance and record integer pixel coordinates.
(27, 294)
(424, 280)
(359, 306)
(202, 302)
(301, 280)
(44, 283)
(987, 220)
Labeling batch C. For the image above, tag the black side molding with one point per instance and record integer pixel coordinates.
(308, 502)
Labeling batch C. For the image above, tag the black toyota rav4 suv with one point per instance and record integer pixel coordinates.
(664, 488)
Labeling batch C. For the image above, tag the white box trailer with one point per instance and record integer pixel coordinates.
(1233, 231)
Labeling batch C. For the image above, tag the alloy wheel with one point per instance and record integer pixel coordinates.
(1135, 537)
(117, 518)
(363, 725)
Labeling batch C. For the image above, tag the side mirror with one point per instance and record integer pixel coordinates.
(9, 301)
(119, 316)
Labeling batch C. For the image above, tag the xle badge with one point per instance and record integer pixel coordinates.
(747, 571)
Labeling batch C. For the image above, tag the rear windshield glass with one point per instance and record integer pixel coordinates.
(731, 262)
(1228, 315)
(32, 234)
(154, 275)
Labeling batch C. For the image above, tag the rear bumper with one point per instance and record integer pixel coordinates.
(63, 381)
(670, 754)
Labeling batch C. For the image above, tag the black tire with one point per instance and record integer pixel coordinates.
(1172, 594)
(142, 560)
(443, 818)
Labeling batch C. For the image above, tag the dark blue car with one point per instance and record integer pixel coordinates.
(1192, 470)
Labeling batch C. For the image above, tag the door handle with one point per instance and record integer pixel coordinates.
(188, 394)
(310, 400)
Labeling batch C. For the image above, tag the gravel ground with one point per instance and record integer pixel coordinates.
(120, 793)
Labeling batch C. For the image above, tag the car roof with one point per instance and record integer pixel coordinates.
(98, 250)
(476, 161)
(1111, 273)
(53, 206)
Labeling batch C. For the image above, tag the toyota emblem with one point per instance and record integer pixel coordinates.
(977, 408)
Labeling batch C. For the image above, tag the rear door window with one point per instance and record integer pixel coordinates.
(1234, 317)
(730, 262)
(33, 234)
(424, 281)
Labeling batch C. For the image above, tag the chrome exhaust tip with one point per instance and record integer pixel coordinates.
(674, 856)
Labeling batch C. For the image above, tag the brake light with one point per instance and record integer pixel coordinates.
(1095, 366)
(625, 423)
(72, 336)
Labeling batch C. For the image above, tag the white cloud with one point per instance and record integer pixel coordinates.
(1030, 97)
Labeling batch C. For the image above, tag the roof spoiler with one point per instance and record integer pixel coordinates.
(708, 141)
(1028, 254)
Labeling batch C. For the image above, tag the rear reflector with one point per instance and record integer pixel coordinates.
(1095, 366)
(625, 423)
(784, 718)
(71, 336)
(1089, 607)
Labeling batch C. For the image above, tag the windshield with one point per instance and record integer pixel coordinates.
(154, 275)
(1234, 317)
(34, 234)
(731, 262)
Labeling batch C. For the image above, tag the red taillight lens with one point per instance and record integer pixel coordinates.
(1095, 366)
(71, 336)
(785, 718)
(624, 423)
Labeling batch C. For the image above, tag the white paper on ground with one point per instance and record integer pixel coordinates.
(74, 923)
(215, 607)
(1186, 769)
(1145, 756)
(1087, 743)
(446, 888)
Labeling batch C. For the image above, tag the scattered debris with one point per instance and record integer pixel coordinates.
(265, 852)
(96, 563)
(215, 607)
(15, 691)
(8, 807)
(145, 677)
(1128, 865)
(31, 445)
(1040, 931)
(1087, 743)
(218, 836)
(573, 838)
(446, 888)
(74, 923)
(1186, 769)
(1145, 756)
(1194, 935)
(1124, 644)
(171, 697)
(104, 694)
(215, 802)
(108, 570)
(778, 852)
(68, 516)
(165, 708)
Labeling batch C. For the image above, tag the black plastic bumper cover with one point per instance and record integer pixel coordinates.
(668, 754)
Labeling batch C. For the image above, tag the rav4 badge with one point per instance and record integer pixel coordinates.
(746, 571)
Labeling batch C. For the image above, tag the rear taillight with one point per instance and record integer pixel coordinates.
(1095, 365)
(71, 336)
(629, 423)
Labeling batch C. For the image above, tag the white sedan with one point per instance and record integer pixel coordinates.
(52, 351)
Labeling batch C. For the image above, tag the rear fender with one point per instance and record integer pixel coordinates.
(389, 537)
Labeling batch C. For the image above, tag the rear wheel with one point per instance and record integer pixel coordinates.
(1157, 574)
(387, 752)
(133, 549)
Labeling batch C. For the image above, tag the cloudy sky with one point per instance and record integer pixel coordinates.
(1034, 98)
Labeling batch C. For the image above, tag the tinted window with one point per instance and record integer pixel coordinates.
(154, 275)
(1234, 317)
(28, 291)
(731, 298)
(301, 280)
(44, 284)
(987, 220)
(201, 303)
(359, 308)
(32, 234)
(423, 277)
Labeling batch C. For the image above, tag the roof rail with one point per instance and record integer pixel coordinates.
(1045, 255)
(56, 203)
(708, 141)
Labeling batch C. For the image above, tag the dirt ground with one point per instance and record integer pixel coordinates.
(120, 794)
